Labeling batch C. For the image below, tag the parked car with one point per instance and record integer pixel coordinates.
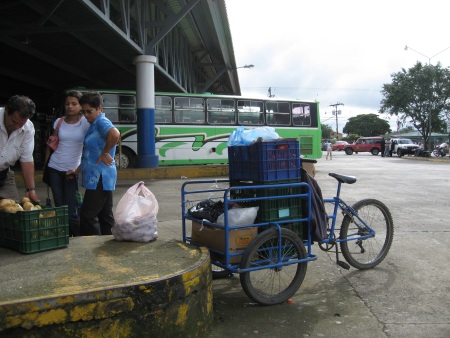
(404, 146)
(364, 144)
(339, 145)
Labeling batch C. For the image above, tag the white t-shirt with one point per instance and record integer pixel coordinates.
(71, 137)
(329, 146)
(17, 146)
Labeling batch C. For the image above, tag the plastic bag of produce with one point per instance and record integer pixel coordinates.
(136, 215)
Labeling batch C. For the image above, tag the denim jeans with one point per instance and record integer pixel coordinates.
(63, 191)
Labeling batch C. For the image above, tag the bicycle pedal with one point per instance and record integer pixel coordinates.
(343, 265)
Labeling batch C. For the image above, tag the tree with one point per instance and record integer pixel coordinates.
(417, 94)
(366, 125)
(326, 131)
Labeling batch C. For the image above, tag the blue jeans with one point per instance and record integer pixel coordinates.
(63, 191)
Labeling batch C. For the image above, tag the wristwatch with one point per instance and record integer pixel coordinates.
(29, 189)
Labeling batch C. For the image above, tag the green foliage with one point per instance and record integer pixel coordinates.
(351, 138)
(407, 129)
(418, 93)
(326, 131)
(366, 125)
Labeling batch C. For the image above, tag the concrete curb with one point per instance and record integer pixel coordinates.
(98, 287)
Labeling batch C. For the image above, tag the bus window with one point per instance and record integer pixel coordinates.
(221, 111)
(250, 112)
(110, 106)
(301, 114)
(189, 110)
(119, 108)
(127, 108)
(112, 114)
(278, 113)
(163, 109)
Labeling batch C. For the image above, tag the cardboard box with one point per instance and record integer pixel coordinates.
(214, 238)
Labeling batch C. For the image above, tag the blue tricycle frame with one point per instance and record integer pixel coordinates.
(286, 247)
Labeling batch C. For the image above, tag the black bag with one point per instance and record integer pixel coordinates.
(46, 173)
(207, 209)
(319, 217)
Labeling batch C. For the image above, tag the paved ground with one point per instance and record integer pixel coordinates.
(407, 295)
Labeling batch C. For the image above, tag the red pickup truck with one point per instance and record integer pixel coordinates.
(364, 144)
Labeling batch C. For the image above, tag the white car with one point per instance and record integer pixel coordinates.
(404, 146)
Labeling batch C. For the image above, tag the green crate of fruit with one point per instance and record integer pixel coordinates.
(36, 230)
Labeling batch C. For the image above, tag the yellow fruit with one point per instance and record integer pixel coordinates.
(28, 206)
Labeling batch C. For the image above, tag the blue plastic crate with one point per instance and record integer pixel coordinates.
(272, 160)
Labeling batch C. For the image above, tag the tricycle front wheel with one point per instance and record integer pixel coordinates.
(273, 285)
(369, 252)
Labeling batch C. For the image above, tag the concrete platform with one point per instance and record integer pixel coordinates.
(98, 287)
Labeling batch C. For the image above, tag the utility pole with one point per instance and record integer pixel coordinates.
(336, 112)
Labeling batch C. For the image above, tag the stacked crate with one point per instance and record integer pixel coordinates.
(268, 163)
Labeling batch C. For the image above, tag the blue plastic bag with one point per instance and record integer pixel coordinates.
(245, 137)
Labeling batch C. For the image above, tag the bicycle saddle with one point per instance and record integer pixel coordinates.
(343, 178)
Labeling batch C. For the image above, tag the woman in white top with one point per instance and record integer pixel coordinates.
(329, 150)
(67, 157)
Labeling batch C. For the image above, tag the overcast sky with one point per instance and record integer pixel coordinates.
(334, 51)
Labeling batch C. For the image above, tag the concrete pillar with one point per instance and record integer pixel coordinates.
(145, 104)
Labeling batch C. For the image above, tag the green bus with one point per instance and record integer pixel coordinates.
(194, 128)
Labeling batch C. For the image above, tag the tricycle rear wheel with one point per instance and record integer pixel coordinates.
(273, 285)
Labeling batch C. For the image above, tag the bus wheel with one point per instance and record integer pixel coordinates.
(126, 160)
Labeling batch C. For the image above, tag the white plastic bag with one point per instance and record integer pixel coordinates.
(239, 216)
(135, 215)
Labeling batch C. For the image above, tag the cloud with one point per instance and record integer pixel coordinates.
(334, 51)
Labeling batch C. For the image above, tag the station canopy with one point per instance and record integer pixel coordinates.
(52, 45)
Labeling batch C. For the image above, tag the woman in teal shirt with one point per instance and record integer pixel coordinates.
(98, 169)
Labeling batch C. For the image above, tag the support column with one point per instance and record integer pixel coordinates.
(145, 104)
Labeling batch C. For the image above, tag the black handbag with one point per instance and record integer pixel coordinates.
(46, 173)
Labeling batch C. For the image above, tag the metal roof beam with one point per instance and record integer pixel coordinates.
(169, 24)
(37, 7)
(48, 14)
(26, 78)
(43, 56)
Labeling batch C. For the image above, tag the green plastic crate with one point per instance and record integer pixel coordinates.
(35, 231)
(273, 210)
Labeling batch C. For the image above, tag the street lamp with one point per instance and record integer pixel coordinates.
(428, 57)
(429, 63)
(246, 66)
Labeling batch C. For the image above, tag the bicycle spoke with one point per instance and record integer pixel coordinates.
(273, 285)
(369, 252)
